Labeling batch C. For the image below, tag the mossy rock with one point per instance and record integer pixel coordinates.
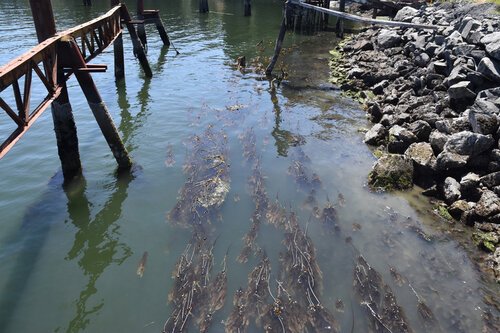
(444, 213)
(391, 172)
(485, 240)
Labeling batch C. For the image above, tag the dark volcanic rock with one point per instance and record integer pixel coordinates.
(492, 42)
(376, 135)
(388, 38)
(437, 140)
(491, 180)
(488, 205)
(421, 129)
(468, 143)
(490, 69)
(400, 139)
(450, 161)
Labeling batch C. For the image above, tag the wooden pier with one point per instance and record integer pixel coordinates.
(340, 14)
(55, 60)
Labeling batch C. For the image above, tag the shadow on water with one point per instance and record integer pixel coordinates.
(29, 241)
(96, 244)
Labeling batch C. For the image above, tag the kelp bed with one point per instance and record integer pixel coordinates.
(287, 297)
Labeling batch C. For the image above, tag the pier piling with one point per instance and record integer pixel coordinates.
(72, 58)
(248, 7)
(62, 114)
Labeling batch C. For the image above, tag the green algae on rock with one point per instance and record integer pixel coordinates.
(391, 172)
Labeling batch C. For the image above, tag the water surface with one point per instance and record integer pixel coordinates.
(69, 256)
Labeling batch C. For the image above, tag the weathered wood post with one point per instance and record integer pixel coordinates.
(136, 42)
(72, 58)
(141, 27)
(118, 50)
(248, 7)
(340, 21)
(203, 6)
(162, 31)
(279, 42)
(62, 115)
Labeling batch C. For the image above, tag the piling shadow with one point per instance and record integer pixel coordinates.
(29, 241)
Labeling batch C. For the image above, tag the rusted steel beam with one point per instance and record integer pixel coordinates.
(46, 49)
(139, 51)
(21, 130)
(72, 58)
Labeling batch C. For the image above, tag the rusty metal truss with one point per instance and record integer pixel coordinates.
(92, 38)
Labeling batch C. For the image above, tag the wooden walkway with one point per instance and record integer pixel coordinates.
(59, 56)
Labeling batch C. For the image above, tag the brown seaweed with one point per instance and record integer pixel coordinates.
(378, 299)
(208, 181)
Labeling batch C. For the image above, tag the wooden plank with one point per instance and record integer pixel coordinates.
(356, 18)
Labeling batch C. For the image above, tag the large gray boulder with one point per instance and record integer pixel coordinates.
(388, 38)
(446, 161)
(492, 43)
(421, 129)
(490, 68)
(488, 205)
(406, 14)
(469, 143)
(376, 135)
(451, 190)
(391, 172)
(461, 90)
(400, 139)
(437, 140)
(491, 180)
(422, 155)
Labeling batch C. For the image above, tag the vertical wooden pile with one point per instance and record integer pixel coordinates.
(62, 113)
(69, 56)
(203, 6)
(248, 7)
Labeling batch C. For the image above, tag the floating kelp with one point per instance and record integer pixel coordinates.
(428, 317)
(341, 200)
(217, 291)
(248, 140)
(169, 160)
(397, 277)
(208, 181)
(300, 172)
(257, 192)
(285, 314)
(142, 264)
(300, 270)
(379, 300)
(193, 295)
(251, 302)
(328, 217)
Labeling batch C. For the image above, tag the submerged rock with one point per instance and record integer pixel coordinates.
(392, 171)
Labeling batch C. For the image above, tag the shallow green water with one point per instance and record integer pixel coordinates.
(69, 257)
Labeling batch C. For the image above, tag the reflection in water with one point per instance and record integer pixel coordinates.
(283, 139)
(130, 124)
(96, 243)
(28, 242)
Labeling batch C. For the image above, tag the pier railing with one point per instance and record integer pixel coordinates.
(60, 55)
(94, 36)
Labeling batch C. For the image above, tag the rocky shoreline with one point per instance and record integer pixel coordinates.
(434, 96)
